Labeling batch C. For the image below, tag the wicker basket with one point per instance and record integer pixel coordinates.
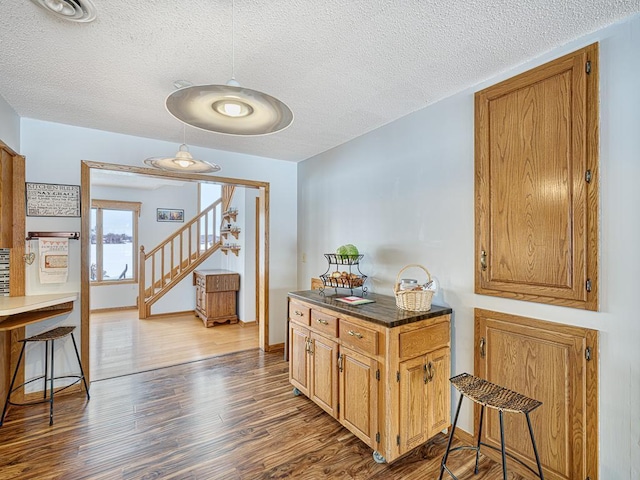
(414, 300)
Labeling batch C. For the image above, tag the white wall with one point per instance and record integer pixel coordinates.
(150, 233)
(9, 126)
(53, 155)
(404, 194)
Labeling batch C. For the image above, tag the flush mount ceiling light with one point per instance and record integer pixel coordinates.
(230, 108)
(182, 161)
(72, 10)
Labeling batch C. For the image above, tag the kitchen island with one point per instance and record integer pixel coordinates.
(382, 372)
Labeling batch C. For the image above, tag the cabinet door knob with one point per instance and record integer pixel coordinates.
(340, 360)
(355, 334)
(483, 260)
(482, 345)
(429, 372)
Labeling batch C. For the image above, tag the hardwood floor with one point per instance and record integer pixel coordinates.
(122, 344)
(232, 417)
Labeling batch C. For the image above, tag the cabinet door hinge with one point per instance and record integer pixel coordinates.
(587, 285)
(398, 440)
(587, 67)
(587, 176)
(397, 376)
(378, 374)
(378, 437)
(587, 354)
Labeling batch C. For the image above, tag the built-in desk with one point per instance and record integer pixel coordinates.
(18, 312)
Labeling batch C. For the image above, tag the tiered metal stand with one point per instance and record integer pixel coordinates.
(350, 278)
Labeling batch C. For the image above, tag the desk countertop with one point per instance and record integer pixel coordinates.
(15, 305)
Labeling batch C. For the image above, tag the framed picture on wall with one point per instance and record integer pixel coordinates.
(52, 200)
(169, 215)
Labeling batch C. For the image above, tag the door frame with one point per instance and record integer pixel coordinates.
(262, 273)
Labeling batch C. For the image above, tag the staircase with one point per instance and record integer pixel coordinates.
(177, 256)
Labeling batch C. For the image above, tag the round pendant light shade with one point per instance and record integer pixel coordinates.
(229, 109)
(182, 162)
(72, 10)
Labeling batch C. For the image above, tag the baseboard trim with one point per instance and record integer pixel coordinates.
(278, 347)
(170, 314)
(112, 309)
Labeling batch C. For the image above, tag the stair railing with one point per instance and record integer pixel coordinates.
(176, 257)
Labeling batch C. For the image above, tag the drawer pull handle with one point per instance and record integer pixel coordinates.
(298, 313)
(355, 334)
(321, 321)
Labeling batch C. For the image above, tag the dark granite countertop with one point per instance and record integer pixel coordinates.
(383, 311)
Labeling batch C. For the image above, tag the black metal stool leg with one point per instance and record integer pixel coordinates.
(51, 383)
(13, 381)
(502, 448)
(84, 380)
(46, 369)
(535, 449)
(475, 470)
(453, 429)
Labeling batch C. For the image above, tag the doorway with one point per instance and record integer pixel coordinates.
(262, 257)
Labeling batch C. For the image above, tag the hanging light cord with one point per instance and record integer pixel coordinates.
(233, 44)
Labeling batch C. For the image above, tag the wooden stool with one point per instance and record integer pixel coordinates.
(48, 336)
(491, 395)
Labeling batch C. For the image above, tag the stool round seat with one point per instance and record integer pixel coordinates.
(53, 334)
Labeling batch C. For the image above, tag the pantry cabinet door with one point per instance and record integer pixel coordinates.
(556, 364)
(536, 184)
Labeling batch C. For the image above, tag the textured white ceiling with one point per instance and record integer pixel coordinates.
(344, 67)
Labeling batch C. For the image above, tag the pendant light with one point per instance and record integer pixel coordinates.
(229, 108)
(73, 10)
(182, 161)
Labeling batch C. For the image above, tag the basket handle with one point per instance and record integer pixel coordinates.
(410, 266)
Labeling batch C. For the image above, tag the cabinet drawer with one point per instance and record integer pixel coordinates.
(299, 313)
(324, 323)
(424, 340)
(223, 283)
(359, 337)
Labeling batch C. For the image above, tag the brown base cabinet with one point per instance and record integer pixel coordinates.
(383, 373)
(216, 296)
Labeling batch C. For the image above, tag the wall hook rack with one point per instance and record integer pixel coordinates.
(69, 235)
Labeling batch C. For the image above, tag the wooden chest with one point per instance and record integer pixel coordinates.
(216, 296)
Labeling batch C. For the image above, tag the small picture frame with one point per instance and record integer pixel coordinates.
(169, 215)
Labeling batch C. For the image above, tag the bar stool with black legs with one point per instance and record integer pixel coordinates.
(490, 395)
(49, 337)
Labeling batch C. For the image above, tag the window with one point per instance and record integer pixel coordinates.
(114, 241)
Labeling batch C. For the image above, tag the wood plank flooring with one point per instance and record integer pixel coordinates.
(122, 344)
(232, 417)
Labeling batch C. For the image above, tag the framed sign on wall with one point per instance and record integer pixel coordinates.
(52, 200)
